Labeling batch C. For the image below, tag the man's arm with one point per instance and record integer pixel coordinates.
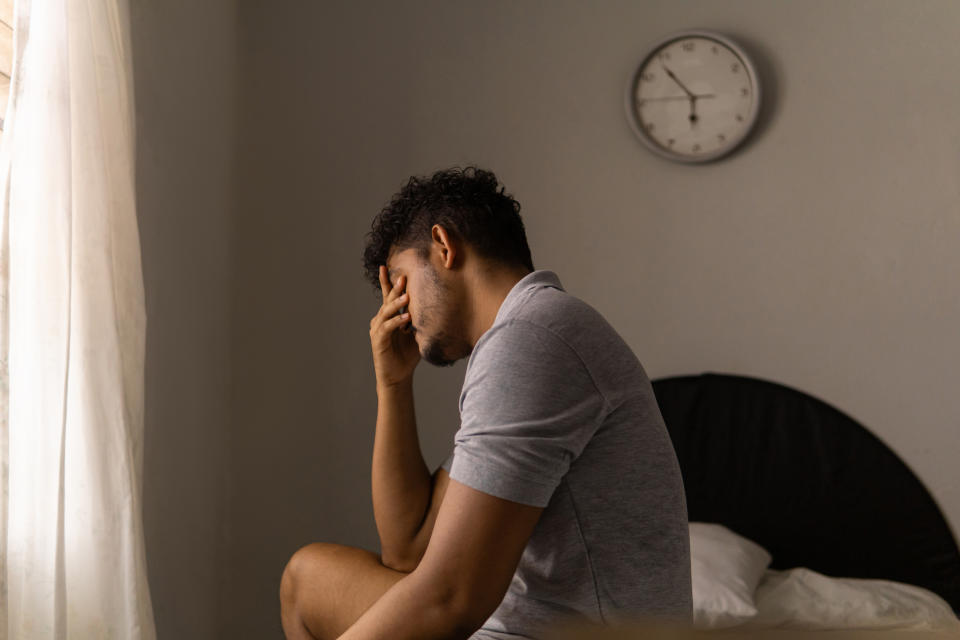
(405, 497)
(470, 559)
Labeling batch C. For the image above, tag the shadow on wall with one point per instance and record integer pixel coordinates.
(769, 72)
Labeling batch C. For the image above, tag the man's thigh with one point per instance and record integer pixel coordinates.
(329, 586)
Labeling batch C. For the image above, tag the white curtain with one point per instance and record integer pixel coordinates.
(72, 324)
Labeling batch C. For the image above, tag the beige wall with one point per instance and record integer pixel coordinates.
(184, 65)
(822, 256)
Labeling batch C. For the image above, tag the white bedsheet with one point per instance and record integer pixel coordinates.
(803, 599)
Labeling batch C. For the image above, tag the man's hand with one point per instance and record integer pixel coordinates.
(395, 352)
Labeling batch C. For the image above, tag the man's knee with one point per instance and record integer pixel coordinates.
(307, 561)
(288, 579)
(326, 587)
(305, 567)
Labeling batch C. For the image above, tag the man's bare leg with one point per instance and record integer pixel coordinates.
(327, 587)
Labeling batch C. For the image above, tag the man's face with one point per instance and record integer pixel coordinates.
(434, 322)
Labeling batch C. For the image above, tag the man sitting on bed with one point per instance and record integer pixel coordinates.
(562, 497)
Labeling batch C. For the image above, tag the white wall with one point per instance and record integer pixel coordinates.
(823, 256)
(184, 65)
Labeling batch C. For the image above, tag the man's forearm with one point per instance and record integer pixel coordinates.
(414, 608)
(400, 479)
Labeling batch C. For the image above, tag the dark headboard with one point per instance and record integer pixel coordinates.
(805, 481)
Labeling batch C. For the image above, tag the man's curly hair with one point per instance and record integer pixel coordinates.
(468, 203)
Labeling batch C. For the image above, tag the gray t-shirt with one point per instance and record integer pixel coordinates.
(557, 412)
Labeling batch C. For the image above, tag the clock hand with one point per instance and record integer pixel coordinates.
(693, 97)
(705, 95)
(675, 79)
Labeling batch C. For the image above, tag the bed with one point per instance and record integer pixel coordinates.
(842, 519)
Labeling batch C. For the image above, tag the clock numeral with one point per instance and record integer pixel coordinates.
(739, 118)
(735, 68)
(744, 92)
(721, 138)
(648, 126)
(715, 49)
(696, 148)
(670, 142)
(665, 55)
(688, 46)
(647, 76)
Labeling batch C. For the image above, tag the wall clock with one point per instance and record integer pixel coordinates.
(695, 97)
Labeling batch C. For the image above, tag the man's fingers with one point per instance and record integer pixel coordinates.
(391, 294)
(385, 286)
(384, 282)
(389, 310)
(397, 289)
(395, 322)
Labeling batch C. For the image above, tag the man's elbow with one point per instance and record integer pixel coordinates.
(462, 612)
(402, 562)
(453, 620)
(467, 619)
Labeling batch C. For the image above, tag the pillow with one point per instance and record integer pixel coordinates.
(803, 599)
(725, 570)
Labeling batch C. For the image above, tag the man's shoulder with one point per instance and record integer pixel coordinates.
(545, 324)
(558, 312)
(570, 319)
(559, 328)
(519, 339)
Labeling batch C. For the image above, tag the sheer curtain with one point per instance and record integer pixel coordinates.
(72, 324)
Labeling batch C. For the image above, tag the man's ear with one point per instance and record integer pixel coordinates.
(445, 245)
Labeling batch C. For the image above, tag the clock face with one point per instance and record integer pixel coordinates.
(694, 98)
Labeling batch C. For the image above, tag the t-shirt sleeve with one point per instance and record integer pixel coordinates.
(528, 408)
(445, 465)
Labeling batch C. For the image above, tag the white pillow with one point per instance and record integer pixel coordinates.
(726, 569)
(803, 599)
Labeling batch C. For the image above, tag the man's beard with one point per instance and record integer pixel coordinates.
(437, 349)
(434, 354)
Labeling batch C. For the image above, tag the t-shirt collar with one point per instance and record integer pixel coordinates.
(533, 280)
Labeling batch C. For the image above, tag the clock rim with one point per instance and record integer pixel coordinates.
(633, 116)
